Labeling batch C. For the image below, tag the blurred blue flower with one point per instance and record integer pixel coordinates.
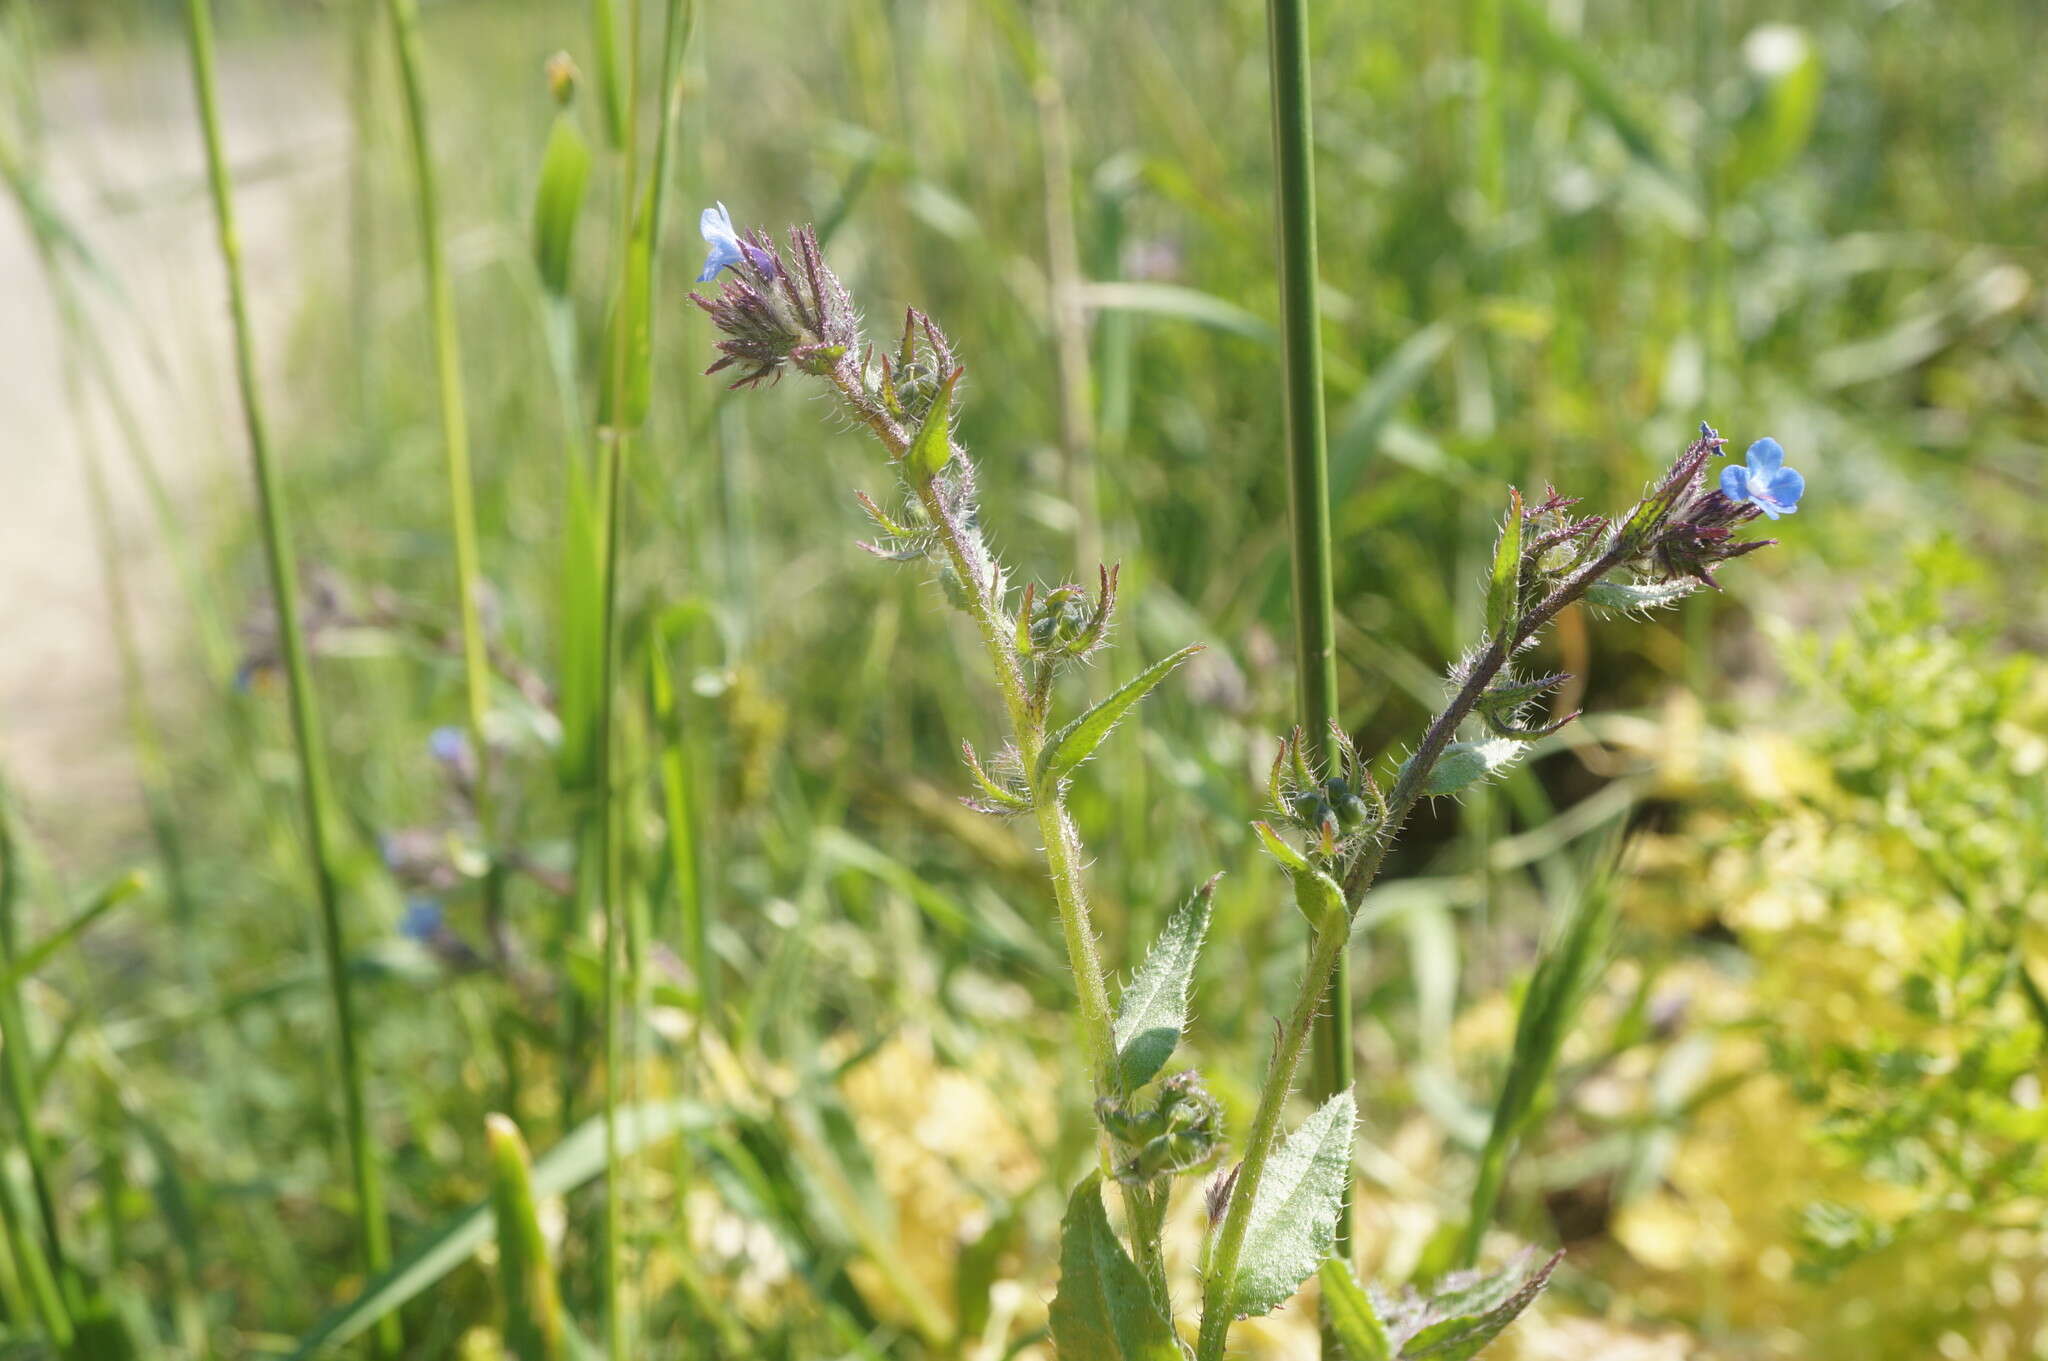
(449, 745)
(1766, 483)
(726, 249)
(423, 921)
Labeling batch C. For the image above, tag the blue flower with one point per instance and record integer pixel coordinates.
(449, 746)
(726, 247)
(1766, 483)
(423, 920)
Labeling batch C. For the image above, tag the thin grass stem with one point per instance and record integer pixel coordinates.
(614, 444)
(374, 1243)
(476, 665)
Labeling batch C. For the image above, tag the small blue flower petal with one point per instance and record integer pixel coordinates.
(715, 226)
(1786, 487)
(1765, 457)
(1735, 483)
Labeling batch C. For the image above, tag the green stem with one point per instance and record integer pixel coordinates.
(1315, 629)
(373, 1232)
(1325, 952)
(1328, 947)
(476, 665)
(1063, 851)
(1493, 1167)
(615, 446)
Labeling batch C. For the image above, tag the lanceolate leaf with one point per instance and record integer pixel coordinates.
(1294, 1214)
(558, 201)
(1349, 1312)
(1154, 1008)
(1076, 742)
(1103, 1311)
(932, 449)
(1488, 1308)
(1638, 595)
(1504, 590)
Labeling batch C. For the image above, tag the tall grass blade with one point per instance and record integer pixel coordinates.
(1565, 973)
(476, 666)
(373, 1233)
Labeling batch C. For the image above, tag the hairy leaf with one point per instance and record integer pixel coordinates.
(1103, 1311)
(932, 448)
(1463, 764)
(1153, 1009)
(1294, 1214)
(1504, 588)
(1638, 595)
(1467, 1311)
(1349, 1312)
(1076, 742)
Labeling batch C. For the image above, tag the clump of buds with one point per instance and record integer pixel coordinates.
(1332, 808)
(1180, 1132)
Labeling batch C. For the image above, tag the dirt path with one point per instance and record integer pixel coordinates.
(122, 161)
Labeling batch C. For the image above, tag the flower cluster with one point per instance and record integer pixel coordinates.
(774, 314)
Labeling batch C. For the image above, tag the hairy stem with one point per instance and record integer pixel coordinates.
(1063, 852)
(1327, 949)
(1329, 946)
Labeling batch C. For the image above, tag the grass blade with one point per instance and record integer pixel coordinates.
(279, 557)
(563, 1168)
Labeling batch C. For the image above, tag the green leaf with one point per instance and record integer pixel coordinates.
(558, 202)
(1153, 1009)
(932, 449)
(1320, 898)
(1076, 742)
(533, 1309)
(1463, 1321)
(1349, 1312)
(1294, 1214)
(569, 1164)
(1504, 589)
(39, 954)
(1282, 850)
(1359, 427)
(1786, 74)
(1466, 763)
(1638, 595)
(1103, 1311)
(1179, 303)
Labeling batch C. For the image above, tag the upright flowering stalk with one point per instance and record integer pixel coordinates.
(1273, 1216)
